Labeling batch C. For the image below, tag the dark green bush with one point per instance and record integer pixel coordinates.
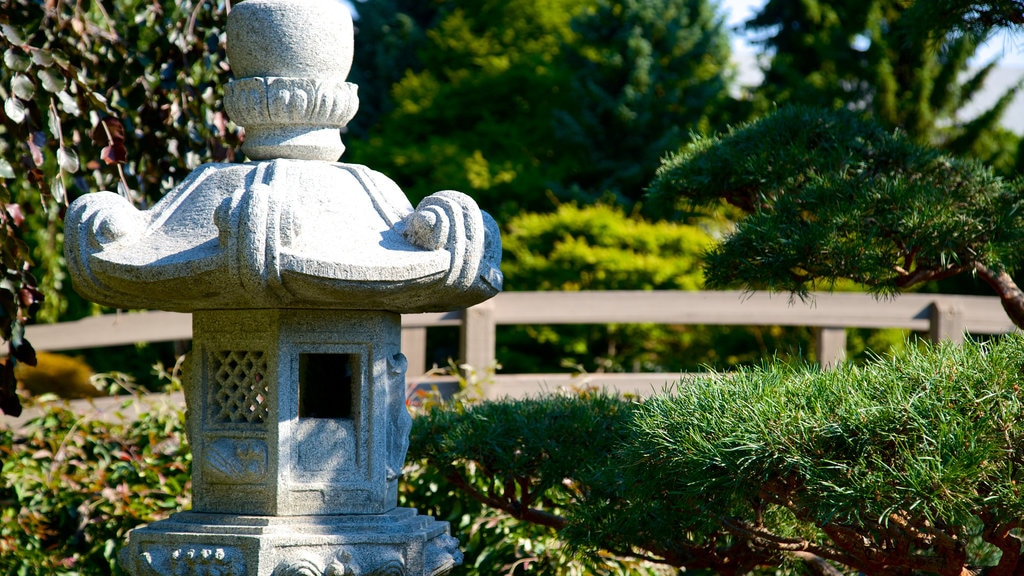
(510, 470)
(900, 466)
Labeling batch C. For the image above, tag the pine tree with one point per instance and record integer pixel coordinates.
(831, 196)
(873, 56)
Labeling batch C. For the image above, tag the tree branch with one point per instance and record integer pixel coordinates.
(1010, 294)
(999, 536)
(508, 504)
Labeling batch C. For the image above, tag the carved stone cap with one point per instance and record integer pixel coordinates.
(290, 59)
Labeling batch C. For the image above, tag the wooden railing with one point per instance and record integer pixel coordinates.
(941, 316)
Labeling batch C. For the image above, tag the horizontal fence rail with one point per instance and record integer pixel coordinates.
(830, 314)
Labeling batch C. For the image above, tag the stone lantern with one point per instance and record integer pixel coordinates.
(296, 269)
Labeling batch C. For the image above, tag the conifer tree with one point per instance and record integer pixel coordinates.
(872, 56)
(646, 73)
(519, 102)
(831, 196)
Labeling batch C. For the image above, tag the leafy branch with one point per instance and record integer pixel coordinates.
(830, 196)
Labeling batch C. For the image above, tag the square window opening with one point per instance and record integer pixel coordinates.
(327, 385)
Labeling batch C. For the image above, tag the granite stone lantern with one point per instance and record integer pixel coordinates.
(296, 269)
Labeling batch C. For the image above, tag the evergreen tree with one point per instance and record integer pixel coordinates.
(470, 100)
(646, 73)
(872, 56)
(831, 196)
(521, 101)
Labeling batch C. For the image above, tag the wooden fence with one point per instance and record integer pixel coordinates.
(941, 316)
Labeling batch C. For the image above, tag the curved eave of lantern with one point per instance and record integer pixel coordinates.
(284, 233)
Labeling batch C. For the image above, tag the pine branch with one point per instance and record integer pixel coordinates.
(1010, 295)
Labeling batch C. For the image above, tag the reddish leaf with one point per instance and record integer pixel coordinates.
(36, 177)
(29, 296)
(15, 214)
(115, 153)
(108, 131)
(35, 145)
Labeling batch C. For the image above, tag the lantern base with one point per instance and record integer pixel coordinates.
(397, 543)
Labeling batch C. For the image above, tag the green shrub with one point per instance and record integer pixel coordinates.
(504, 473)
(904, 465)
(71, 488)
(601, 247)
(886, 468)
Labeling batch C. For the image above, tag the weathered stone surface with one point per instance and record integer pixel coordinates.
(399, 543)
(284, 233)
(295, 438)
(290, 62)
(296, 269)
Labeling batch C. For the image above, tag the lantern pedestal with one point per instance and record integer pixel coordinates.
(397, 543)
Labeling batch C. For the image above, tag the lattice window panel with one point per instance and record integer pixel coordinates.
(241, 392)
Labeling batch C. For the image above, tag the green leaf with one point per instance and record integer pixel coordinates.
(23, 87)
(42, 58)
(6, 171)
(53, 80)
(12, 35)
(15, 110)
(17, 60)
(58, 191)
(53, 122)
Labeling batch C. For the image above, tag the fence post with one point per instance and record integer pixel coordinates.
(947, 321)
(414, 347)
(831, 342)
(477, 339)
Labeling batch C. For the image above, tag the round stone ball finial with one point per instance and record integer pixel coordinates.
(290, 59)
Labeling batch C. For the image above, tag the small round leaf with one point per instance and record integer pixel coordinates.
(23, 87)
(68, 103)
(57, 190)
(6, 171)
(16, 60)
(67, 159)
(42, 58)
(15, 110)
(12, 35)
(53, 80)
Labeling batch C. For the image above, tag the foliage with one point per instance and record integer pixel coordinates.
(72, 487)
(976, 18)
(600, 247)
(512, 102)
(115, 94)
(894, 466)
(645, 74)
(884, 58)
(59, 374)
(886, 468)
(526, 460)
(830, 196)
